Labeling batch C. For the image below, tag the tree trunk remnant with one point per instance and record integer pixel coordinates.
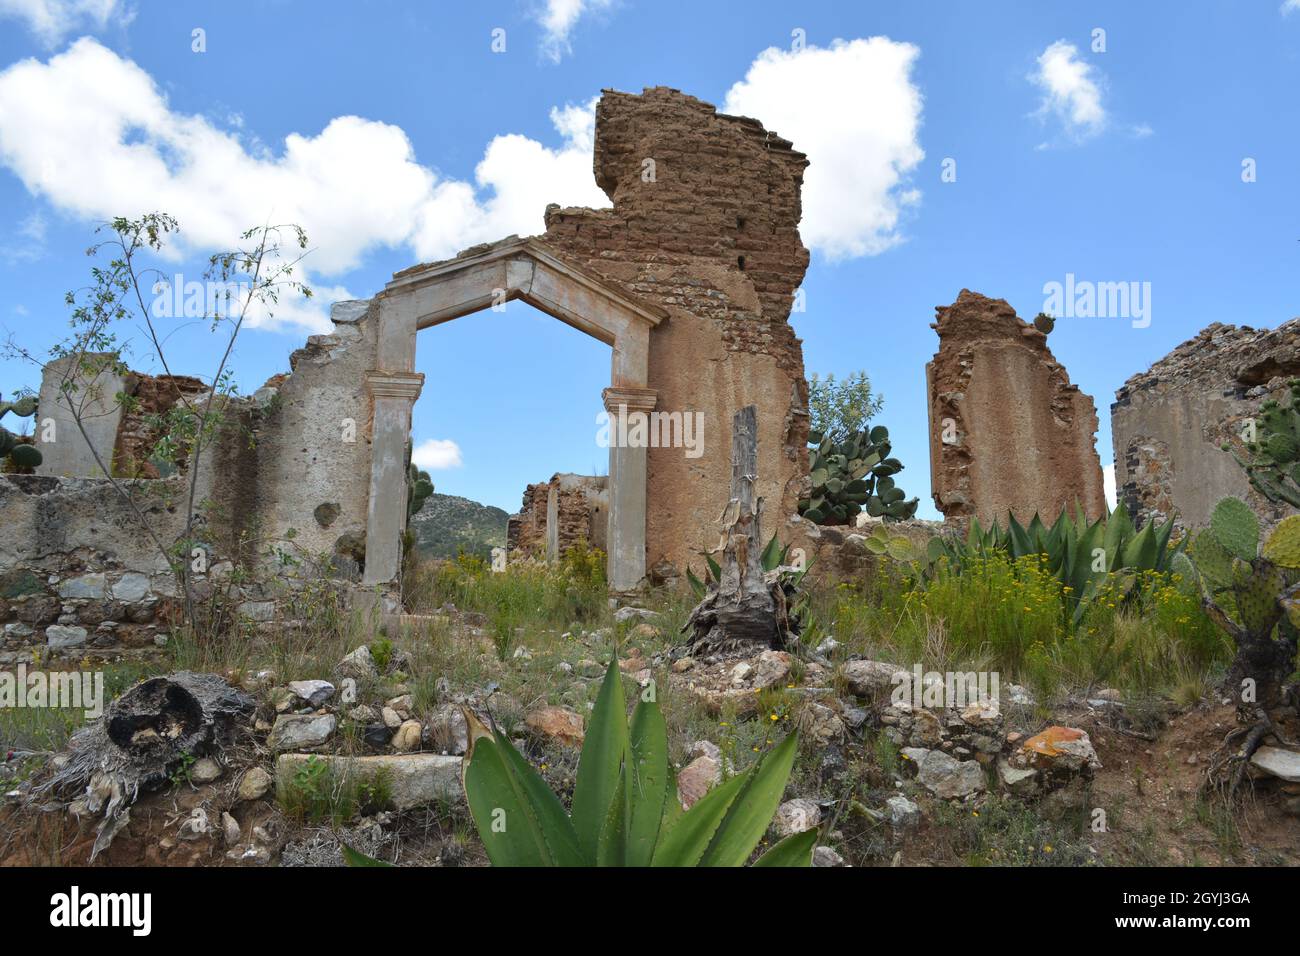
(740, 612)
(143, 737)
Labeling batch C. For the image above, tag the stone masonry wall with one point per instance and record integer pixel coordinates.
(282, 493)
(1169, 424)
(77, 576)
(705, 224)
(1008, 432)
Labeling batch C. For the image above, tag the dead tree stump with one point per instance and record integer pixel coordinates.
(142, 738)
(741, 612)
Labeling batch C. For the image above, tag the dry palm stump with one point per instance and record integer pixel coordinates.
(746, 609)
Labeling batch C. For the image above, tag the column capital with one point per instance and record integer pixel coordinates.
(633, 399)
(395, 384)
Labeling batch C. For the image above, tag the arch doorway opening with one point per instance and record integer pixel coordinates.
(487, 278)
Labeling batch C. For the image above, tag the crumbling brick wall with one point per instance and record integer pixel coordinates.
(526, 530)
(137, 431)
(1169, 423)
(1009, 433)
(582, 515)
(705, 224)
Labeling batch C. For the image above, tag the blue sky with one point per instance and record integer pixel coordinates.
(396, 134)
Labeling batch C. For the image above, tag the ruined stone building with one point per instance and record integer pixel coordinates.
(1009, 433)
(565, 512)
(1169, 423)
(689, 278)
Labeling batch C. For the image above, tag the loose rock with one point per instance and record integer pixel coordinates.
(254, 785)
(301, 731)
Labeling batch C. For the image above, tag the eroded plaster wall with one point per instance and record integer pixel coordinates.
(1009, 433)
(1169, 423)
(705, 224)
(312, 449)
(281, 493)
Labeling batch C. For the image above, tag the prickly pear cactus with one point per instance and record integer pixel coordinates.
(1274, 464)
(853, 476)
(20, 455)
(1251, 593)
(421, 487)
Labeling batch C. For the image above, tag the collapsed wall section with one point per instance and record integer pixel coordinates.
(1009, 433)
(704, 223)
(558, 514)
(1169, 423)
(281, 494)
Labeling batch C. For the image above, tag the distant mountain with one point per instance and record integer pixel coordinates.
(447, 523)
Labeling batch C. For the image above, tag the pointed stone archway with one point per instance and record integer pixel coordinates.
(481, 278)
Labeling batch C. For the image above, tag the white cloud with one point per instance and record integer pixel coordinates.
(854, 109)
(1108, 486)
(519, 177)
(30, 240)
(436, 454)
(558, 18)
(52, 20)
(1291, 6)
(1071, 90)
(355, 186)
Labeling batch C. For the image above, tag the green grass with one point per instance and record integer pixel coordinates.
(524, 597)
(47, 729)
(1141, 634)
(317, 793)
(1004, 832)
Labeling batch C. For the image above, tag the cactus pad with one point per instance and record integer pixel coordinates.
(1236, 528)
(1256, 589)
(1212, 560)
(1283, 545)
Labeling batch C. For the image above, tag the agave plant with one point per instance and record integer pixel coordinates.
(773, 558)
(793, 601)
(625, 809)
(1079, 553)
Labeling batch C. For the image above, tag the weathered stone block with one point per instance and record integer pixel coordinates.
(414, 780)
(88, 586)
(131, 587)
(60, 637)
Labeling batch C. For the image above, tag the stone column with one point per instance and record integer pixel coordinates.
(553, 524)
(393, 394)
(627, 486)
